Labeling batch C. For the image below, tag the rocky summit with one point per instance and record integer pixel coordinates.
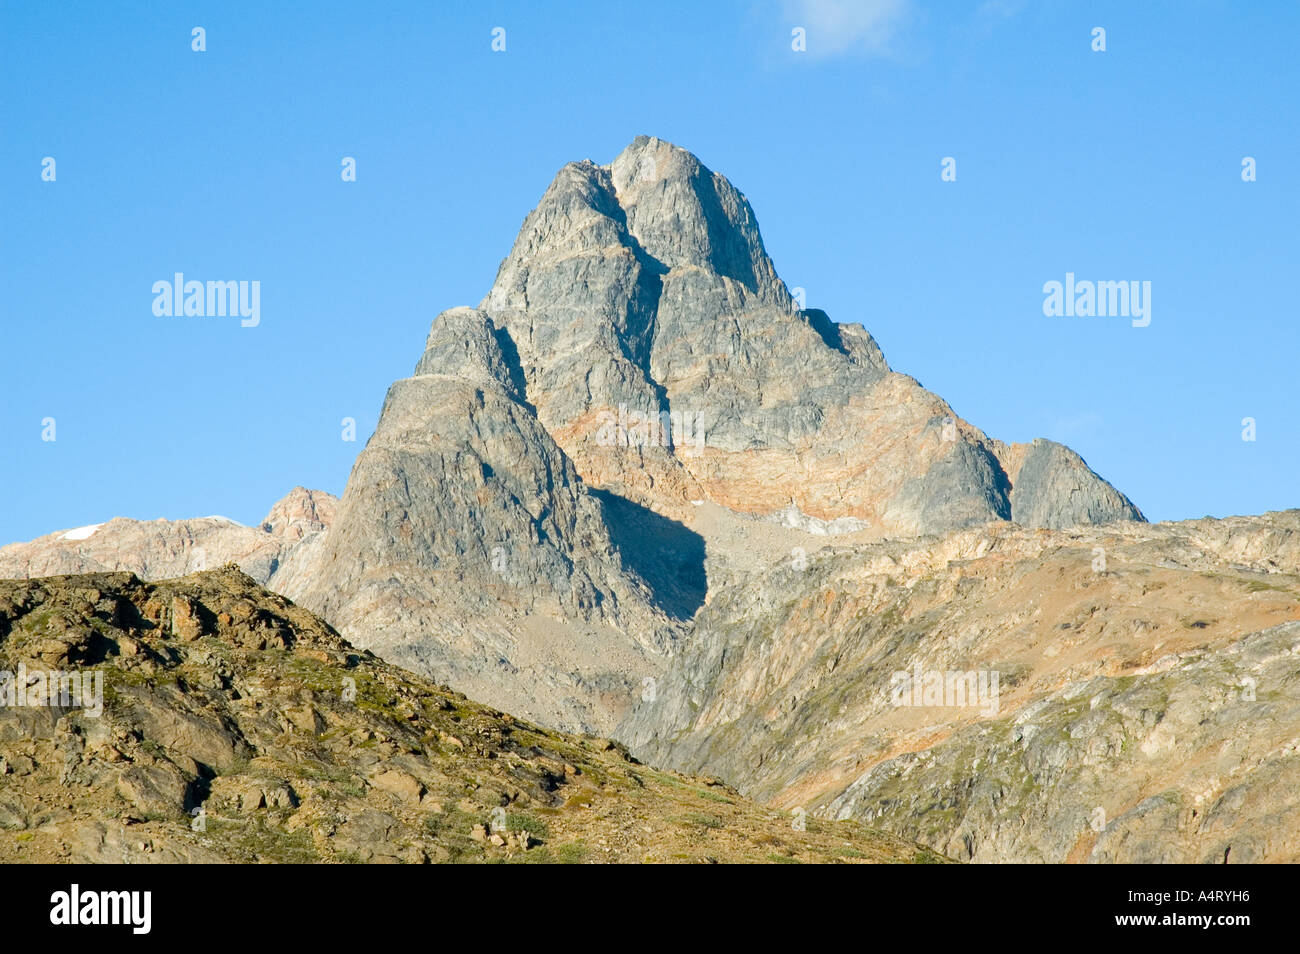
(231, 725)
(578, 462)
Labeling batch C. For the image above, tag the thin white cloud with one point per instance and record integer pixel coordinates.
(839, 27)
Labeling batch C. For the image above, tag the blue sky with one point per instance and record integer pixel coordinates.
(1122, 165)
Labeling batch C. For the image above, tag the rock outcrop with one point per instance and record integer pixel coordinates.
(233, 726)
(300, 514)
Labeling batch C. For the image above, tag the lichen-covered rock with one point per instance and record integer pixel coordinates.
(207, 750)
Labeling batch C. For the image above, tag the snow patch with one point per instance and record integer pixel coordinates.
(796, 519)
(81, 533)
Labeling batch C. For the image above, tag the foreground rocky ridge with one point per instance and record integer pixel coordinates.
(239, 727)
(1148, 706)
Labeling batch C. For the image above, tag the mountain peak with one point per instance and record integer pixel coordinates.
(683, 214)
(649, 161)
(584, 460)
(655, 206)
(299, 513)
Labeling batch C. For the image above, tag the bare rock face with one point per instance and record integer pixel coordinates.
(1054, 488)
(157, 549)
(640, 292)
(1139, 711)
(301, 513)
(466, 545)
(527, 521)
